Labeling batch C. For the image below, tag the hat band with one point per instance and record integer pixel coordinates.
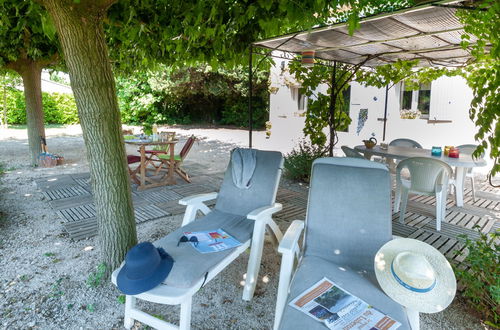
(409, 287)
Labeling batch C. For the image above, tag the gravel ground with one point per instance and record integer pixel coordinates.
(43, 282)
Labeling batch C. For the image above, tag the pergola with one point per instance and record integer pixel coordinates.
(430, 33)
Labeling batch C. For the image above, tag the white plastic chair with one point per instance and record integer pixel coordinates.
(349, 152)
(427, 177)
(244, 214)
(409, 143)
(468, 149)
(405, 143)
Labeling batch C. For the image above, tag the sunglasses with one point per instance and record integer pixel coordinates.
(192, 239)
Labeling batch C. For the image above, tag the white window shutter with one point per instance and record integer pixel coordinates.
(442, 100)
(295, 92)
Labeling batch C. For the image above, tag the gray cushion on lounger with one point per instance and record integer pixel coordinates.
(362, 285)
(229, 214)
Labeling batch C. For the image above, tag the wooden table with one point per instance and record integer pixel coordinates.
(462, 163)
(148, 182)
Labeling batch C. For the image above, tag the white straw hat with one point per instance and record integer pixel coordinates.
(415, 275)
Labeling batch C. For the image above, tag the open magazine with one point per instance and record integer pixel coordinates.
(338, 309)
(212, 240)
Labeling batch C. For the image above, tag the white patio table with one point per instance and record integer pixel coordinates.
(462, 163)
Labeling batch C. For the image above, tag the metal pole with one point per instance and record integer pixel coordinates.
(385, 110)
(250, 87)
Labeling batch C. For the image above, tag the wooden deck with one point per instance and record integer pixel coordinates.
(71, 199)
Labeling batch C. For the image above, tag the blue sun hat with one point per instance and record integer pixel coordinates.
(145, 267)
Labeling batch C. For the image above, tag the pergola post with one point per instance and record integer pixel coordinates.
(385, 110)
(250, 87)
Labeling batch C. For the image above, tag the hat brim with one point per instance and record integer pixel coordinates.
(433, 301)
(133, 287)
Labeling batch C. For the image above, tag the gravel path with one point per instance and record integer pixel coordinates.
(43, 278)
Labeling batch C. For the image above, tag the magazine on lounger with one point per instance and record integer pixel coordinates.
(212, 240)
(328, 303)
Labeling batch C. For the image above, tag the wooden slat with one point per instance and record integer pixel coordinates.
(402, 230)
(488, 195)
(66, 192)
(159, 196)
(193, 189)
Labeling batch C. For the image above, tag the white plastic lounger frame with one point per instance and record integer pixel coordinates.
(164, 294)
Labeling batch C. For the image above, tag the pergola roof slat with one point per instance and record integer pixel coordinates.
(432, 34)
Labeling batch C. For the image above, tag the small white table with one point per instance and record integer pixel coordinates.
(462, 163)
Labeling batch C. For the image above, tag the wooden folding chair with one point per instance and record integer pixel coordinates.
(131, 159)
(152, 155)
(178, 159)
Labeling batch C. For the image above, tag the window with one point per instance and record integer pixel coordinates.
(417, 99)
(300, 98)
(424, 98)
(301, 101)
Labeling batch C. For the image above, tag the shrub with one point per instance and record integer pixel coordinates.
(57, 108)
(192, 95)
(481, 281)
(16, 113)
(299, 161)
(66, 106)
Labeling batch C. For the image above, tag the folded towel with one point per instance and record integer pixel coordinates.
(243, 166)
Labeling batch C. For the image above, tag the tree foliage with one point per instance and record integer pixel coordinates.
(484, 75)
(218, 32)
(192, 94)
(324, 109)
(28, 44)
(26, 32)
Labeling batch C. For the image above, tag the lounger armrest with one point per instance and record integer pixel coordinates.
(194, 204)
(289, 247)
(290, 240)
(200, 198)
(264, 212)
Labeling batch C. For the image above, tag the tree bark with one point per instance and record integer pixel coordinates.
(80, 30)
(31, 73)
(4, 107)
(331, 109)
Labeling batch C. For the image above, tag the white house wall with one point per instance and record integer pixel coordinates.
(450, 101)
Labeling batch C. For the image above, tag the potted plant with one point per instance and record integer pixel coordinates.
(409, 114)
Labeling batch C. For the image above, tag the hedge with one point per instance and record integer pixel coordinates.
(58, 108)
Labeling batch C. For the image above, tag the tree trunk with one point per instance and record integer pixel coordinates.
(3, 119)
(81, 34)
(331, 109)
(31, 73)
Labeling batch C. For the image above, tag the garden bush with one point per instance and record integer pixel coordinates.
(299, 161)
(192, 95)
(481, 280)
(58, 108)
